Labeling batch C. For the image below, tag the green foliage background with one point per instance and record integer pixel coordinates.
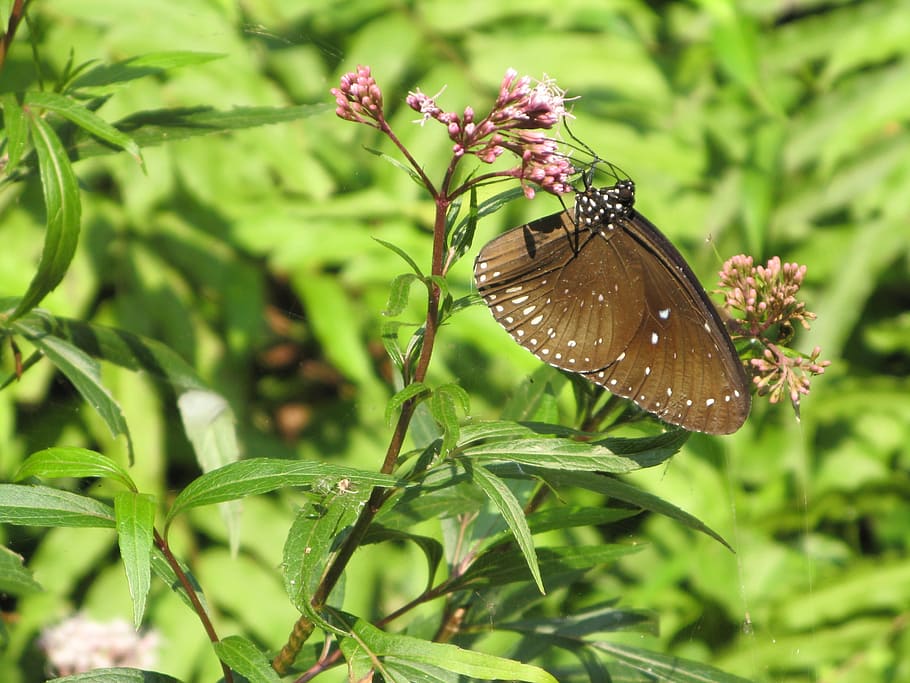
(768, 127)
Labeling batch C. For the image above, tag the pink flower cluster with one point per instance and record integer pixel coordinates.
(520, 112)
(780, 373)
(80, 644)
(359, 98)
(765, 296)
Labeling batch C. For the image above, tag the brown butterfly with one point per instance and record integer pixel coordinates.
(600, 292)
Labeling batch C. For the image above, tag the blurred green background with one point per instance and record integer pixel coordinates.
(764, 127)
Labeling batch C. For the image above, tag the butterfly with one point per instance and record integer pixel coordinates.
(600, 292)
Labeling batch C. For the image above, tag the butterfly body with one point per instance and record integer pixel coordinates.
(600, 292)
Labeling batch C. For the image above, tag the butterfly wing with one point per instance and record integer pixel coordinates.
(548, 286)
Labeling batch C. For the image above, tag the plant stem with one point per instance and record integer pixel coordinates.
(194, 599)
(16, 15)
(304, 627)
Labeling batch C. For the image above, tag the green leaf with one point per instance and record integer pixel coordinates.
(85, 119)
(317, 532)
(43, 506)
(412, 391)
(580, 624)
(85, 374)
(245, 658)
(551, 519)
(209, 424)
(664, 667)
(647, 450)
(496, 567)
(116, 675)
(15, 579)
(443, 408)
(389, 333)
(70, 461)
(117, 346)
(152, 64)
(462, 236)
(400, 294)
(496, 202)
(135, 513)
(477, 665)
(512, 512)
(624, 492)
(496, 430)
(155, 127)
(15, 125)
(559, 454)
(414, 175)
(404, 255)
(460, 304)
(441, 494)
(63, 208)
(397, 670)
(261, 475)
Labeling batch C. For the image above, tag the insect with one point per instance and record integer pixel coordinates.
(600, 292)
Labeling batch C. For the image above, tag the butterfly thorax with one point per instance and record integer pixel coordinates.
(601, 207)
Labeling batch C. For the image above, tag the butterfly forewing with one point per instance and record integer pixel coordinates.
(601, 292)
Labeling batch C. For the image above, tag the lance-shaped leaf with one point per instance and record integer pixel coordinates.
(85, 374)
(44, 506)
(64, 211)
(135, 528)
(511, 512)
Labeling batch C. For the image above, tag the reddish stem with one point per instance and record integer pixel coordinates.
(302, 629)
(194, 599)
(16, 15)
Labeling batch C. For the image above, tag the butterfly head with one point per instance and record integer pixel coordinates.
(600, 207)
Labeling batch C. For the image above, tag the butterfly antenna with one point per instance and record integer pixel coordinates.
(596, 161)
